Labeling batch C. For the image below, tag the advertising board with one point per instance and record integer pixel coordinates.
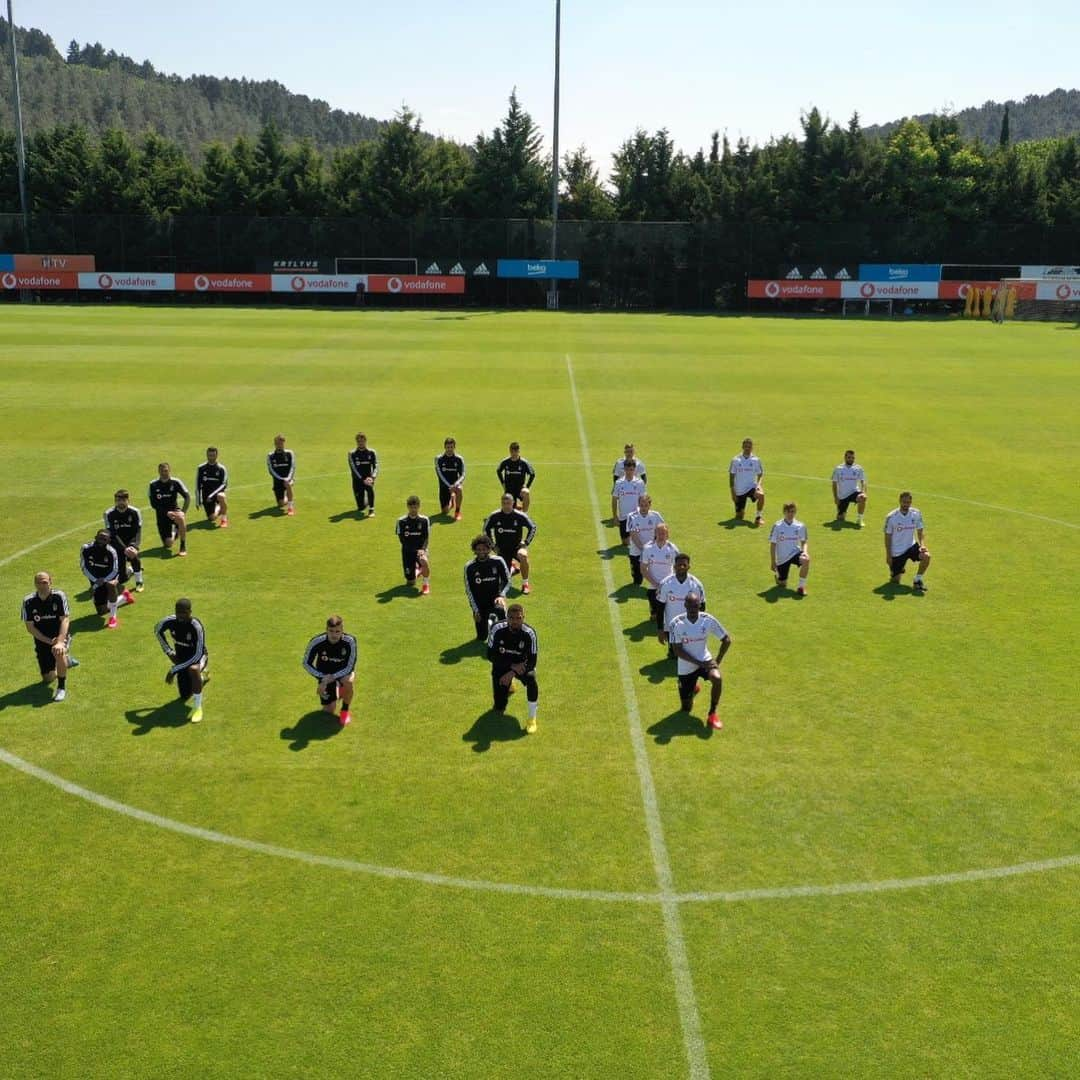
(226, 283)
(107, 282)
(762, 289)
(416, 284)
(69, 263)
(889, 290)
(540, 269)
(316, 283)
(900, 272)
(14, 279)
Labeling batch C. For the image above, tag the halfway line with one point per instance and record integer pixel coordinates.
(685, 997)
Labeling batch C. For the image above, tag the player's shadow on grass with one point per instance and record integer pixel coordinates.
(889, 591)
(88, 624)
(492, 726)
(836, 525)
(611, 552)
(735, 523)
(160, 552)
(346, 515)
(678, 724)
(658, 670)
(315, 726)
(457, 653)
(34, 694)
(644, 629)
(266, 511)
(172, 714)
(625, 592)
(388, 595)
(777, 592)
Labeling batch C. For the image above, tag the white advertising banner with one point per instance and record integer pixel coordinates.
(107, 282)
(1058, 271)
(889, 290)
(1058, 290)
(299, 284)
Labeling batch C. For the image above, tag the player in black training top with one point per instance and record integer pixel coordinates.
(187, 653)
(487, 580)
(165, 492)
(47, 617)
(413, 530)
(512, 531)
(281, 464)
(211, 480)
(124, 524)
(450, 469)
(512, 650)
(364, 468)
(99, 562)
(331, 658)
(516, 476)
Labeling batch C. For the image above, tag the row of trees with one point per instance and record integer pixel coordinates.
(832, 174)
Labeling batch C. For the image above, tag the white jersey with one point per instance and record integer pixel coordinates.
(694, 638)
(645, 524)
(618, 469)
(657, 562)
(848, 479)
(788, 539)
(628, 492)
(672, 594)
(901, 529)
(746, 471)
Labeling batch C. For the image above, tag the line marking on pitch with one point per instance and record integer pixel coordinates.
(685, 996)
(734, 896)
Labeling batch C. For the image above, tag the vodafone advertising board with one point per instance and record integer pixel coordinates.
(763, 289)
(299, 284)
(958, 290)
(14, 279)
(889, 290)
(229, 283)
(413, 284)
(1058, 290)
(106, 282)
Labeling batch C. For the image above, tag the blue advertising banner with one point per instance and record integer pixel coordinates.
(7, 263)
(564, 269)
(899, 271)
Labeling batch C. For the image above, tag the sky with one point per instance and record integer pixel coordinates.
(693, 67)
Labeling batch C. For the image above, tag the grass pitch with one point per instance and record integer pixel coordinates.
(871, 736)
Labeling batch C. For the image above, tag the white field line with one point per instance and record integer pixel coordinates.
(685, 997)
(733, 896)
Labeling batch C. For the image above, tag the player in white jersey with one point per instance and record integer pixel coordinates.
(629, 454)
(744, 480)
(625, 495)
(673, 591)
(904, 543)
(849, 486)
(689, 635)
(640, 529)
(787, 548)
(657, 561)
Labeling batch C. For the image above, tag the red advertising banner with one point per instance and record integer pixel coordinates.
(416, 284)
(958, 290)
(761, 289)
(38, 280)
(229, 283)
(69, 263)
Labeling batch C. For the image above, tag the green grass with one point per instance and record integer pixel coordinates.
(870, 735)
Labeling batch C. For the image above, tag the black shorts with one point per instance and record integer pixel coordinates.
(624, 532)
(209, 503)
(688, 682)
(410, 562)
(509, 555)
(279, 489)
(444, 495)
(184, 685)
(740, 500)
(166, 527)
(331, 694)
(783, 568)
(121, 561)
(45, 659)
(101, 598)
(846, 501)
(900, 561)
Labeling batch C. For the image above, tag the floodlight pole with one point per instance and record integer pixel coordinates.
(553, 295)
(20, 146)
